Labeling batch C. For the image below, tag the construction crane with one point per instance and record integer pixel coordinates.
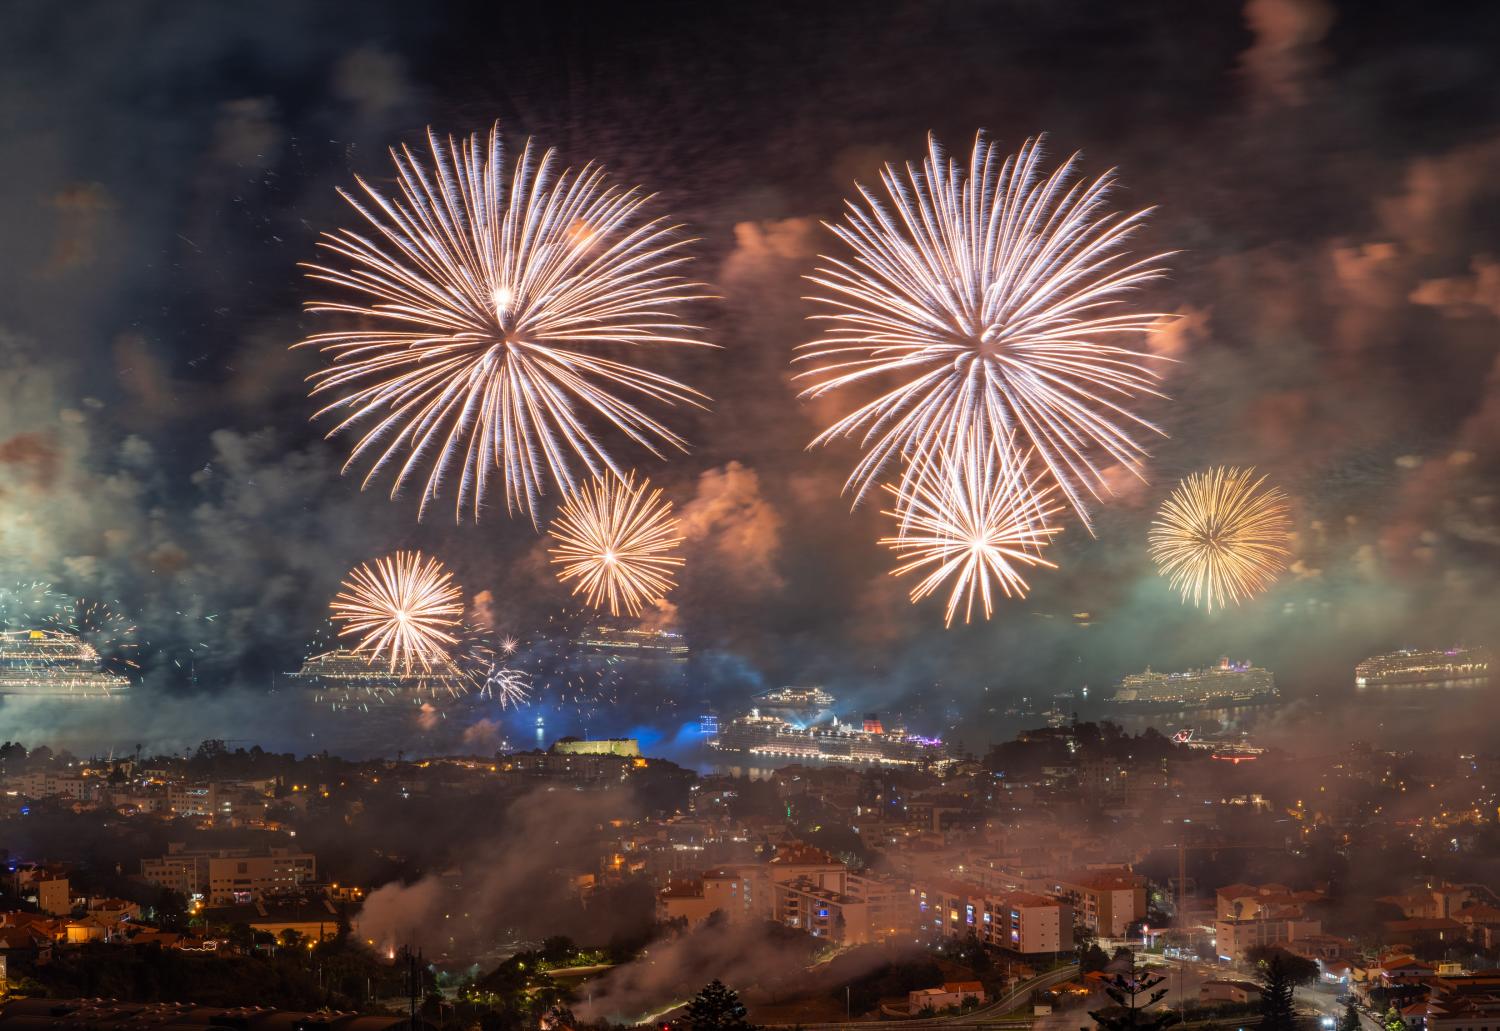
(1182, 850)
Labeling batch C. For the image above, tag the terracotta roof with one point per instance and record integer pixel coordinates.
(1103, 880)
(1439, 923)
(1236, 891)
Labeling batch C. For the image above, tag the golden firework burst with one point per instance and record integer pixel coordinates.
(616, 540)
(1220, 538)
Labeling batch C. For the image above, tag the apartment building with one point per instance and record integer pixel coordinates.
(1022, 922)
(1234, 938)
(1106, 902)
(230, 875)
(802, 888)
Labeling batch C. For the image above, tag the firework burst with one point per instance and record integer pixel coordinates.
(506, 686)
(1220, 538)
(972, 519)
(986, 298)
(404, 610)
(616, 540)
(495, 320)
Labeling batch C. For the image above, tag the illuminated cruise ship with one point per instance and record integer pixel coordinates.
(635, 642)
(1227, 684)
(1415, 667)
(344, 668)
(49, 662)
(773, 737)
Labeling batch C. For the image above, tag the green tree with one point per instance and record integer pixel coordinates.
(1277, 979)
(1393, 1021)
(1350, 1020)
(1133, 995)
(717, 1008)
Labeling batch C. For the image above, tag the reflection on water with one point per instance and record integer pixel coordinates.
(1420, 686)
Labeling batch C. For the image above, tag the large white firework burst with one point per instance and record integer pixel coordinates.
(973, 519)
(987, 298)
(498, 324)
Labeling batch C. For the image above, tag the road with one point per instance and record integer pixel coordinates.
(985, 1017)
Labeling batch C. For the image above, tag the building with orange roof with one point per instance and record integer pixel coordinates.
(1105, 901)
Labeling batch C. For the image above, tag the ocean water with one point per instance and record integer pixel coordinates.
(1441, 715)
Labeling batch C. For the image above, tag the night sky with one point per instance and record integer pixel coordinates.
(1328, 174)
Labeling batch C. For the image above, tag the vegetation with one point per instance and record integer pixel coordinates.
(717, 1008)
(1280, 974)
(1134, 994)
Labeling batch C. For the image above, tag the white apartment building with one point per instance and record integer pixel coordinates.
(226, 876)
(1019, 921)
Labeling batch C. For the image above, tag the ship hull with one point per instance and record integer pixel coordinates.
(1226, 702)
(807, 746)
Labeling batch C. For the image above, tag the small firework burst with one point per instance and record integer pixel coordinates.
(1220, 538)
(404, 610)
(616, 540)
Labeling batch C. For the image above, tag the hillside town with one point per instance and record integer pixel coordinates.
(1023, 877)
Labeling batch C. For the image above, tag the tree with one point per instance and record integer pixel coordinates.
(1091, 959)
(171, 911)
(717, 1008)
(1350, 1020)
(1393, 1021)
(1299, 970)
(1277, 980)
(975, 955)
(1129, 1012)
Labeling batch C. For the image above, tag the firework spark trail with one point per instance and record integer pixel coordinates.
(616, 540)
(1220, 538)
(507, 686)
(494, 318)
(985, 298)
(405, 610)
(973, 518)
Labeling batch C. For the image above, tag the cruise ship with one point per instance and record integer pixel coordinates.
(50, 663)
(634, 642)
(769, 736)
(1223, 686)
(1417, 667)
(343, 669)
